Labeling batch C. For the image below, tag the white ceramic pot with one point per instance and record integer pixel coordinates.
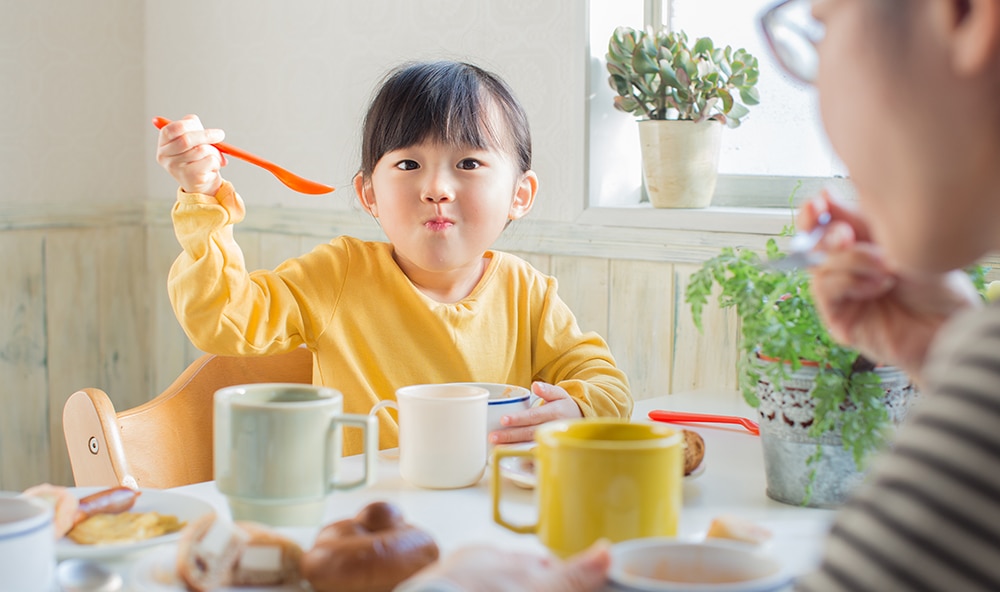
(680, 162)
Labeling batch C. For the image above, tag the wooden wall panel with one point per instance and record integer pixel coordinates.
(583, 285)
(276, 248)
(540, 261)
(249, 242)
(124, 313)
(170, 350)
(640, 324)
(72, 302)
(702, 359)
(25, 446)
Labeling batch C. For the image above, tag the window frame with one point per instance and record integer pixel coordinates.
(740, 202)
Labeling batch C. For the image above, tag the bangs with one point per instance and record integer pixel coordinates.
(447, 102)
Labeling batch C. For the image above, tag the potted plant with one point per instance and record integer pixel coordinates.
(682, 93)
(823, 408)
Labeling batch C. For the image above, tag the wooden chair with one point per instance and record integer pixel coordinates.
(167, 441)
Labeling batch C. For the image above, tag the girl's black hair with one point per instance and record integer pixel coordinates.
(450, 102)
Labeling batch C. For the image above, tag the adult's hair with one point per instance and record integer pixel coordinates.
(450, 102)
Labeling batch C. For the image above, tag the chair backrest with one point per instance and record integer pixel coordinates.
(167, 441)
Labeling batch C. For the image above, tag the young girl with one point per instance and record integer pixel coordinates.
(446, 166)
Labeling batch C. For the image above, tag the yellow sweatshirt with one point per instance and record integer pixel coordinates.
(370, 330)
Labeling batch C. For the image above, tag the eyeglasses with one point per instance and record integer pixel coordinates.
(793, 34)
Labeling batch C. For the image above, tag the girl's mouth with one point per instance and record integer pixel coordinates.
(438, 224)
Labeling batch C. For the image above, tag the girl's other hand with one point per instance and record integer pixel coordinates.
(520, 426)
(891, 317)
(185, 150)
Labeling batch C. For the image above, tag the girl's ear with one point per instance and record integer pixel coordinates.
(365, 195)
(976, 35)
(524, 196)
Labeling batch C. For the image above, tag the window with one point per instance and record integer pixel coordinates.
(780, 144)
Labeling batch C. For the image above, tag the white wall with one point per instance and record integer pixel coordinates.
(71, 102)
(291, 81)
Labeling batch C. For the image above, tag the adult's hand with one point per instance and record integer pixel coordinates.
(891, 316)
(485, 568)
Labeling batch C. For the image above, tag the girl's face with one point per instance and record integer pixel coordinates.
(443, 206)
(899, 115)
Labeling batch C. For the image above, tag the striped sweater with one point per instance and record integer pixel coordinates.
(929, 516)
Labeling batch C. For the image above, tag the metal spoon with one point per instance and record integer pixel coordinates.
(800, 248)
(81, 575)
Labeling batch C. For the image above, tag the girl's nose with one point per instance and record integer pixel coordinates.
(438, 189)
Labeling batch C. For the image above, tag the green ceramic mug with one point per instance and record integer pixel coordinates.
(278, 449)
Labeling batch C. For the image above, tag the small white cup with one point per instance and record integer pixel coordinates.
(505, 399)
(27, 543)
(442, 434)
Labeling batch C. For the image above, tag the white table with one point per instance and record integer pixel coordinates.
(732, 483)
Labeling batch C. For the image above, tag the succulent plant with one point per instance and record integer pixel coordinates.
(659, 75)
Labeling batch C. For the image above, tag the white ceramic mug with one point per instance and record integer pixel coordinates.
(278, 449)
(442, 434)
(27, 543)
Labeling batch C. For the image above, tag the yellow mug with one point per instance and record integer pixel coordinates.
(600, 478)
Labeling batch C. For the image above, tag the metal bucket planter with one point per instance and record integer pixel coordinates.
(785, 417)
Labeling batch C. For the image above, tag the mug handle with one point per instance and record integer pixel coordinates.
(495, 487)
(375, 409)
(369, 430)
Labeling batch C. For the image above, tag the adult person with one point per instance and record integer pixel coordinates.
(908, 94)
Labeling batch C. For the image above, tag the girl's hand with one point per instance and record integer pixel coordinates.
(890, 317)
(520, 426)
(185, 150)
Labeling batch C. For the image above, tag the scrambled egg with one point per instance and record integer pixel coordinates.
(127, 527)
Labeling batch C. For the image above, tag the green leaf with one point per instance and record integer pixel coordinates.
(642, 63)
(620, 84)
(750, 95)
(667, 74)
(737, 111)
(703, 45)
(727, 100)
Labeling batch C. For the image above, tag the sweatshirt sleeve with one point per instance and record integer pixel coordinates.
(222, 307)
(579, 362)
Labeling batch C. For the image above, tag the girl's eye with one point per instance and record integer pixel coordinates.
(469, 164)
(407, 165)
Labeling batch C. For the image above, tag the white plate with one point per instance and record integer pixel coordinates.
(156, 572)
(185, 507)
(521, 472)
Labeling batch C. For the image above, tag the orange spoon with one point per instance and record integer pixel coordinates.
(681, 416)
(293, 181)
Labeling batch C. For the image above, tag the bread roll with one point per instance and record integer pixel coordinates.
(215, 552)
(268, 559)
(372, 552)
(694, 451)
(737, 529)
